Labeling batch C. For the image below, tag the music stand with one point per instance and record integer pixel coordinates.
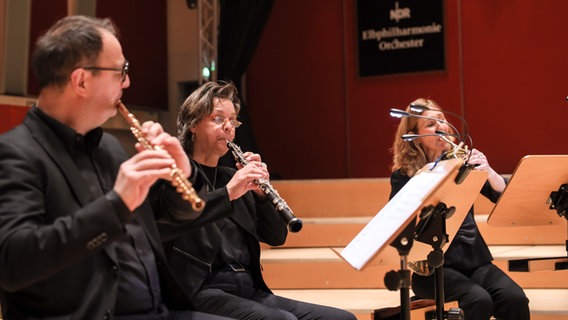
(537, 187)
(429, 188)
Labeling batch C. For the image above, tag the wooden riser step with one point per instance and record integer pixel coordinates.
(334, 211)
(316, 268)
(545, 304)
(334, 197)
(344, 197)
(339, 231)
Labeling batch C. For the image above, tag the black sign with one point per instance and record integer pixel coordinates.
(400, 36)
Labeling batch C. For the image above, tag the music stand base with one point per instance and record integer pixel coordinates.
(451, 314)
(420, 309)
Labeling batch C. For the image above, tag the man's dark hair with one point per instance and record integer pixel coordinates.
(71, 42)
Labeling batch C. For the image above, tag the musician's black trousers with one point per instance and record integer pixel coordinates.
(481, 293)
(231, 294)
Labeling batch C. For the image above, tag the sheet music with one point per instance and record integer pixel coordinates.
(375, 235)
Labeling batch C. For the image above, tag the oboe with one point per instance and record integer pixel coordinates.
(179, 180)
(294, 224)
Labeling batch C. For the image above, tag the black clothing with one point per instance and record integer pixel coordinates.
(192, 256)
(139, 287)
(233, 244)
(484, 292)
(200, 261)
(67, 239)
(481, 288)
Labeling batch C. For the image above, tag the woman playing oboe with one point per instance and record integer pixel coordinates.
(219, 263)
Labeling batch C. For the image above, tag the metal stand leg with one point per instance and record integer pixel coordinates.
(431, 229)
(400, 280)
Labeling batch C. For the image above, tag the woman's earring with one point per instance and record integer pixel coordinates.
(192, 136)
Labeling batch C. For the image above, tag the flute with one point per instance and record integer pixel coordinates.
(294, 224)
(179, 180)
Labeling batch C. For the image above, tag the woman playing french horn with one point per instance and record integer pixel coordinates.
(481, 288)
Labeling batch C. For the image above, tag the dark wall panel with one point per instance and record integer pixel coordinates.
(11, 116)
(143, 34)
(43, 15)
(505, 73)
(515, 78)
(296, 90)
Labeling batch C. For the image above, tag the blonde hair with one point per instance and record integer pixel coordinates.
(409, 156)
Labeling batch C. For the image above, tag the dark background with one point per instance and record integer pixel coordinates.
(313, 117)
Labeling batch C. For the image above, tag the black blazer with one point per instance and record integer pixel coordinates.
(55, 261)
(191, 255)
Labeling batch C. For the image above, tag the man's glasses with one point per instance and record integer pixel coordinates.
(221, 120)
(123, 71)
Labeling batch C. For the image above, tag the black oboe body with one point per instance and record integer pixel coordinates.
(294, 223)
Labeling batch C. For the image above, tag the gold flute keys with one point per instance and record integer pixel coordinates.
(179, 180)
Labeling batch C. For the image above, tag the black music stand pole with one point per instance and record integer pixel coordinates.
(559, 201)
(400, 280)
(431, 229)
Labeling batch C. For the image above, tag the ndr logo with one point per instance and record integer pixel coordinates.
(399, 13)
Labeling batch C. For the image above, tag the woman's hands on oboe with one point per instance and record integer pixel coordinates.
(247, 176)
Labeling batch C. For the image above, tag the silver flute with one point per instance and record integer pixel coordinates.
(294, 224)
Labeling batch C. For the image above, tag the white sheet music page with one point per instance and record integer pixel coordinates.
(375, 235)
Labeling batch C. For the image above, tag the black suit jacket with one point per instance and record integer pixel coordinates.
(191, 255)
(55, 261)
